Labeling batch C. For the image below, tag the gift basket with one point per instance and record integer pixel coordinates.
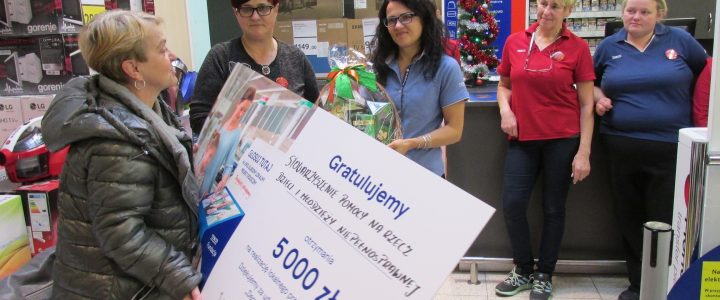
(353, 95)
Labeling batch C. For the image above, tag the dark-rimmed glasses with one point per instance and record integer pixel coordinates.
(527, 58)
(404, 19)
(247, 11)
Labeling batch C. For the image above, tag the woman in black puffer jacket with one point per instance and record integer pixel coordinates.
(128, 210)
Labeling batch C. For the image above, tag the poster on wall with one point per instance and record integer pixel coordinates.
(315, 209)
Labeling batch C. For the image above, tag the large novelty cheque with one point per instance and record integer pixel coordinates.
(313, 208)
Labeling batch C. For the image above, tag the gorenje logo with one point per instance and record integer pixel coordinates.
(50, 27)
(42, 88)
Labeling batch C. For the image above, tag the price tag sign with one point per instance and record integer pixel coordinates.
(305, 36)
(309, 46)
(89, 12)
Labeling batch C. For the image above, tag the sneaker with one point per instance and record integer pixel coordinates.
(629, 295)
(513, 284)
(542, 286)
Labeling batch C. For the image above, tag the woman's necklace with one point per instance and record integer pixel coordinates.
(264, 68)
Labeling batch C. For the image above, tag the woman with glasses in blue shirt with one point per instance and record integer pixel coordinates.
(545, 97)
(257, 49)
(425, 84)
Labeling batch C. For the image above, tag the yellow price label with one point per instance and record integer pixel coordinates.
(89, 11)
(710, 285)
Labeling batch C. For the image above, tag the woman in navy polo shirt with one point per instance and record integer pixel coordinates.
(645, 74)
(549, 123)
(424, 83)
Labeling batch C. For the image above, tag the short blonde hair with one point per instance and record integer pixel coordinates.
(568, 3)
(565, 3)
(113, 37)
(661, 6)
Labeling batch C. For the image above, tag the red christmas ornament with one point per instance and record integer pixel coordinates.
(478, 82)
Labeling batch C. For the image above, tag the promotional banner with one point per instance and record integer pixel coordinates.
(316, 209)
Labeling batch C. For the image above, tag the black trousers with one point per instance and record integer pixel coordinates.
(642, 179)
(524, 162)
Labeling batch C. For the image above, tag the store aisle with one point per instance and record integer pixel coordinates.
(566, 287)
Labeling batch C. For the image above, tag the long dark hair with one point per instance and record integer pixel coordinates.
(238, 3)
(430, 40)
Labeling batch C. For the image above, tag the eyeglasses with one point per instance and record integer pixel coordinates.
(527, 58)
(247, 11)
(404, 19)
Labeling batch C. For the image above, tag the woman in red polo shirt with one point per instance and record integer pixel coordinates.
(545, 96)
(701, 96)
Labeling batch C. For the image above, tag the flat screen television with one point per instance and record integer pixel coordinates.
(72, 11)
(12, 69)
(687, 24)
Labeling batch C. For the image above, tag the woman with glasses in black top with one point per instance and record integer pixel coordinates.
(545, 96)
(257, 49)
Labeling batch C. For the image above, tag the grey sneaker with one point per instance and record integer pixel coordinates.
(542, 286)
(513, 284)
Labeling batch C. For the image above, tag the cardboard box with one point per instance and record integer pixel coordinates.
(367, 8)
(33, 65)
(331, 32)
(33, 17)
(316, 37)
(292, 10)
(11, 116)
(23, 17)
(14, 245)
(40, 204)
(35, 106)
(355, 36)
(71, 18)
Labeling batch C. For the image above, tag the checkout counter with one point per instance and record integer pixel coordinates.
(592, 242)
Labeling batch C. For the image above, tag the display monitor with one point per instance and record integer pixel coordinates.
(72, 11)
(687, 24)
(12, 69)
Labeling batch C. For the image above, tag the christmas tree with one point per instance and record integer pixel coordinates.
(477, 30)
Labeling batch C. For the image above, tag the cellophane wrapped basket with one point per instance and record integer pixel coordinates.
(353, 95)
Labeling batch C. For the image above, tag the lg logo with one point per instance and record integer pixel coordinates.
(36, 106)
(4, 107)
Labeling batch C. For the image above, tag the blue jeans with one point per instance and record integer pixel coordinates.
(524, 162)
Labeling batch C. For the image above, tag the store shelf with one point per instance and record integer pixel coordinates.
(590, 33)
(590, 14)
